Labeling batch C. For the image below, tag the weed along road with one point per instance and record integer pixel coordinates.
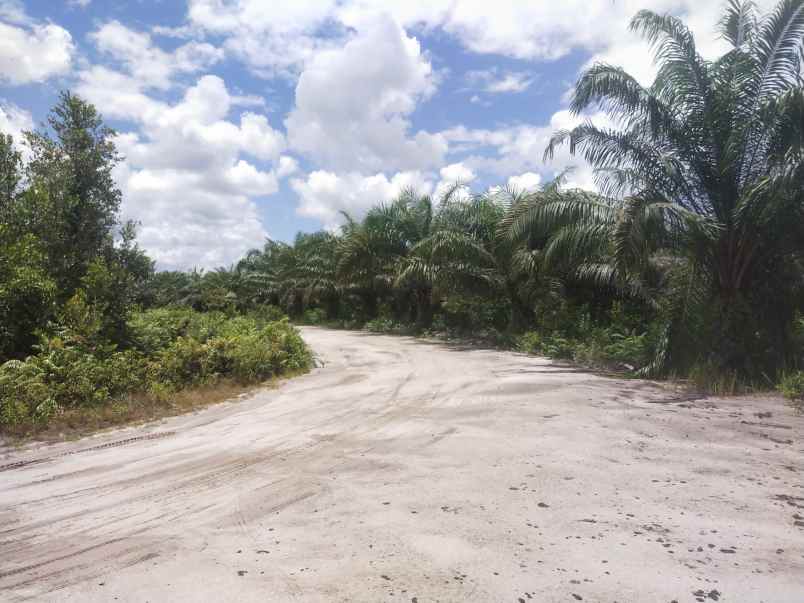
(402, 470)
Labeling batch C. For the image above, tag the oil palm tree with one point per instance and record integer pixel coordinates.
(703, 169)
(372, 253)
(468, 253)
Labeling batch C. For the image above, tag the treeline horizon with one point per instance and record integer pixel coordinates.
(688, 261)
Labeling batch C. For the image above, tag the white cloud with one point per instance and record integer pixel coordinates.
(352, 104)
(13, 11)
(528, 181)
(184, 223)
(246, 179)
(186, 176)
(451, 175)
(194, 167)
(287, 166)
(495, 81)
(457, 172)
(271, 37)
(275, 36)
(32, 52)
(149, 65)
(258, 138)
(324, 194)
(520, 148)
(15, 121)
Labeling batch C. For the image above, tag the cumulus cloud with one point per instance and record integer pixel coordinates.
(29, 51)
(457, 172)
(149, 65)
(324, 194)
(198, 156)
(495, 81)
(287, 166)
(528, 181)
(362, 73)
(186, 180)
(192, 172)
(14, 121)
(184, 221)
(271, 37)
(452, 175)
(520, 148)
(353, 103)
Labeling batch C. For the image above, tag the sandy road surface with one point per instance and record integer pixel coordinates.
(407, 471)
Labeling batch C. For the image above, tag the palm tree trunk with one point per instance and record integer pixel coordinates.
(333, 306)
(521, 313)
(370, 304)
(424, 308)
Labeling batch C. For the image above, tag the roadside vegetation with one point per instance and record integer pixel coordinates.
(686, 263)
(81, 342)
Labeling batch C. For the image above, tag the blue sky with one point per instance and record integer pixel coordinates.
(242, 119)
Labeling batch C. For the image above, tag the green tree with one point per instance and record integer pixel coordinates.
(27, 293)
(708, 164)
(373, 254)
(73, 195)
(10, 172)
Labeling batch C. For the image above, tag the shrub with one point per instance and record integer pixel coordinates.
(556, 346)
(382, 325)
(603, 347)
(171, 349)
(791, 386)
(154, 330)
(529, 343)
(313, 316)
(24, 394)
(268, 313)
(27, 293)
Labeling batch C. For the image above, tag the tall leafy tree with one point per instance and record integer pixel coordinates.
(371, 254)
(73, 199)
(27, 293)
(10, 172)
(708, 164)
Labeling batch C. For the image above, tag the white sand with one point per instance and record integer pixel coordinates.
(408, 471)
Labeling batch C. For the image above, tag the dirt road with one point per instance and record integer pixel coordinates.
(407, 471)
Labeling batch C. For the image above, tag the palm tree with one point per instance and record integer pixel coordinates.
(468, 253)
(372, 253)
(702, 175)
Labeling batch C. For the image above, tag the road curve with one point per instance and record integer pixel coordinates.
(411, 471)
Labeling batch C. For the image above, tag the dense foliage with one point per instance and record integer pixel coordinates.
(73, 280)
(709, 162)
(170, 349)
(688, 260)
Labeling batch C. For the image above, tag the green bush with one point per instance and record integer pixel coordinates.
(171, 349)
(382, 325)
(463, 313)
(27, 293)
(792, 386)
(24, 394)
(556, 346)
(268, 313)
(313, 316)
(603, 347)
(154, 330)
(529, 343)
